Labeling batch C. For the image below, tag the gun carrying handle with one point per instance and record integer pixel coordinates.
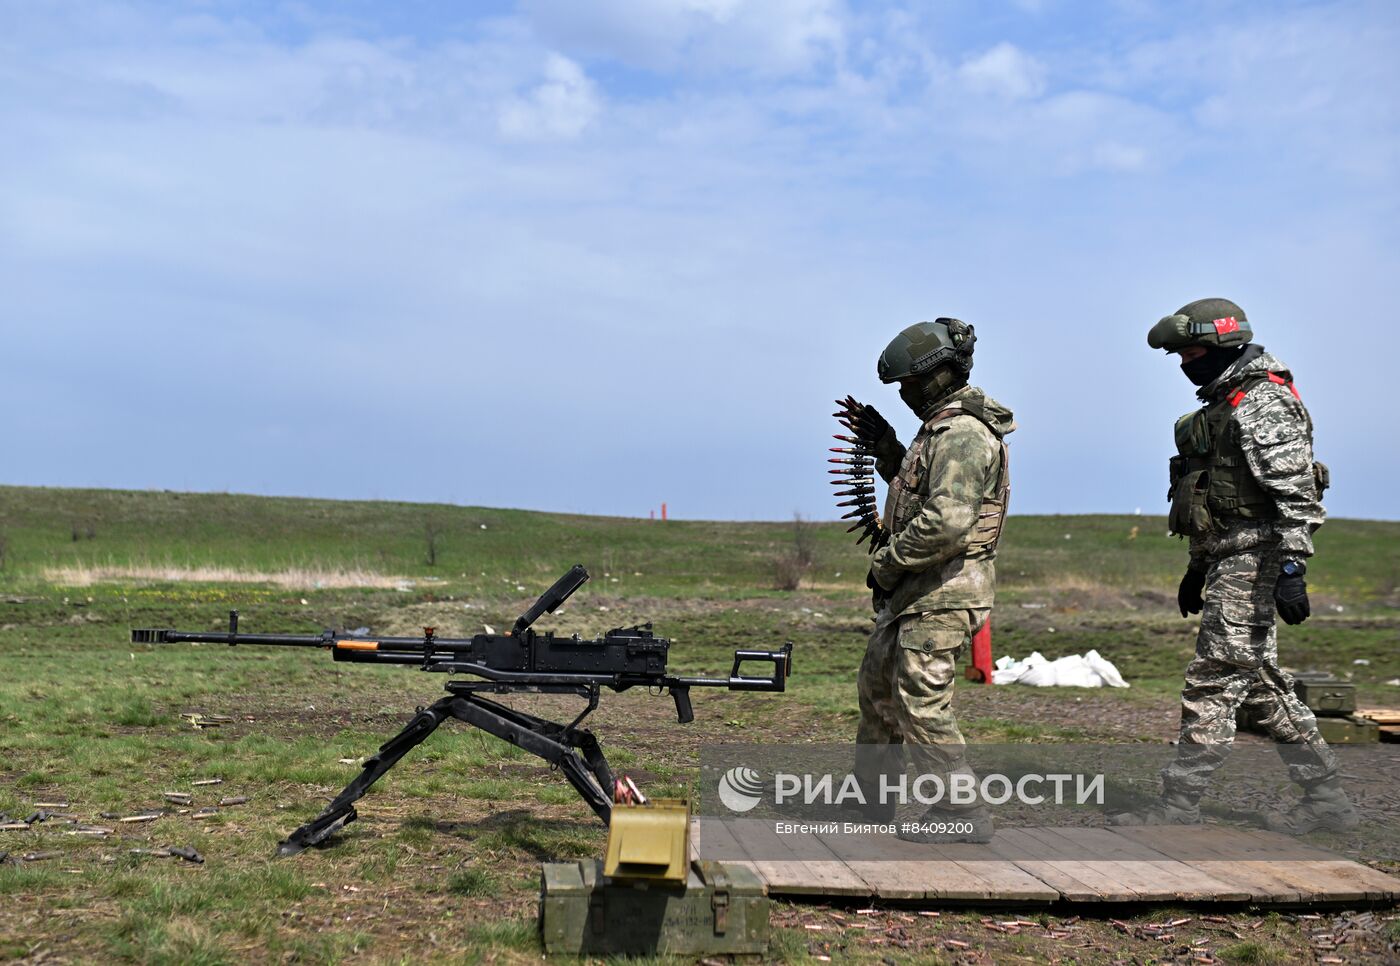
(680, 693)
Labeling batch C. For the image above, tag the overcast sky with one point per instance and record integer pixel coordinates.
(590, 256)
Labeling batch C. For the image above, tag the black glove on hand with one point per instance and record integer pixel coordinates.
(870, 428)
(1291, 593)
(1188, 594)
(878, 594)
(866, 421)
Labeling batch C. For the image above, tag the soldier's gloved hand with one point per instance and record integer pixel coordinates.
(878, 594)
(1188, 594)
(1291, 592)
(870, 427)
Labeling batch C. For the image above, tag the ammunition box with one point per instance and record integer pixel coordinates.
(650, 841)
(721, 909)
(1351, 730)
(1327, 696)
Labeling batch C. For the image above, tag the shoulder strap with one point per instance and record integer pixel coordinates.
(1237, 397)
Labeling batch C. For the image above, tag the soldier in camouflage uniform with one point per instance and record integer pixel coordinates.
(933, 577)
(1245, 491)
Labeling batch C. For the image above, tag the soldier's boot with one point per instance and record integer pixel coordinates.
(944, 825)
(1173, 808)
(872, 808)
(1323, 806)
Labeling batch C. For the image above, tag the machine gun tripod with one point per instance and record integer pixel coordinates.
(522, 660)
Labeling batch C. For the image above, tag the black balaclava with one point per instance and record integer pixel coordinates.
(926, 395)
(1212, 365)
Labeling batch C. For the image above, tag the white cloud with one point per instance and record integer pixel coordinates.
(757, 37)
(1005, 71)
(561, 106)
(1319, 83)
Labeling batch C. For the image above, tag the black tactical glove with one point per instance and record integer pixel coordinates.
(1188, 594)
(1291, 592)
(878, 594)
(870, 428)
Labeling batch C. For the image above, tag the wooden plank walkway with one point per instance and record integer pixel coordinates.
(1040, 865)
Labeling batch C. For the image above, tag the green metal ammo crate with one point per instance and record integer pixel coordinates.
(1351, 730)
(721, 909)
(1325, 695)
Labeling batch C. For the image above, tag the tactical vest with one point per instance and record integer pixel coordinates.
(906, 496)
(1211, 483)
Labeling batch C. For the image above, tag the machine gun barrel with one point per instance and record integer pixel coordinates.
(328, 639)
(168, 635)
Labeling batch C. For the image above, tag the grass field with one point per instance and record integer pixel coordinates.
(443, 862)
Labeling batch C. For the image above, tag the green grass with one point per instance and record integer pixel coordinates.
(491, 550)
(1254, 954)
(473, 882)
(448, 845)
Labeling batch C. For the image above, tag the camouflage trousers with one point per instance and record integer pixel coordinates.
(1236, 666)
(906, 685)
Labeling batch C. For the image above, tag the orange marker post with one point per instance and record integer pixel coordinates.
(980, 670)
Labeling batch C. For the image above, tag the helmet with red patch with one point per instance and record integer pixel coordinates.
(1204, 322)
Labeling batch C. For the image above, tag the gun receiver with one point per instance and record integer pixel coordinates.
(523, 660)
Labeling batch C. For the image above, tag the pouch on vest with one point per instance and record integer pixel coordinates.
(1193, 434)
(904, 493)
(1190, 512)
(1322, 477)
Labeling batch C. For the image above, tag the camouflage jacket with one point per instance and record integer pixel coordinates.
(937, 491)
(1272, 428)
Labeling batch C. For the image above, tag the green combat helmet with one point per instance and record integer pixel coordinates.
(930, 360)
(1204, 322)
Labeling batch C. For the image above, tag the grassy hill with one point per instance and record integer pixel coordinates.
(46, 530)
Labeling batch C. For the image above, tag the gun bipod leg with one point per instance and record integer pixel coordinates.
(341, 812)
(593, 754)
(588, 772)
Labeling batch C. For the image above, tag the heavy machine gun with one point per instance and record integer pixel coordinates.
(522, 660)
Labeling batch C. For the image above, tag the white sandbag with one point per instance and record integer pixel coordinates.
(1039, 672)
(1008, 670)
(1072, 672)
(1105, 669)
(1090, 670)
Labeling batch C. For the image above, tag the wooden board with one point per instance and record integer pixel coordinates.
(1074, 881)
(895, 869)
(1383, 716)
(1153, 874)
(797, 865)
(1200, 849)
(1041, 865)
